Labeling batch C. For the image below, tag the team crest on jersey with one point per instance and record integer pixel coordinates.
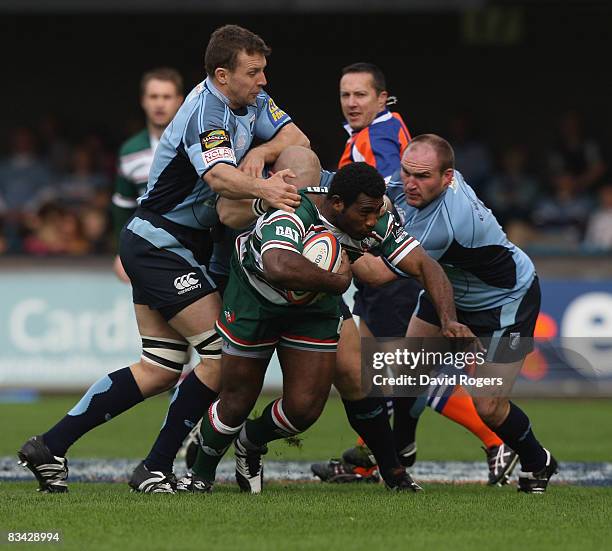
(230, 316)
(275, 113)
(368, 243)
(515, 341)
(215, 138)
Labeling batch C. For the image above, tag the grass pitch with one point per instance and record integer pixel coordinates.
(313, 516)
(576, 430)
(317, 516)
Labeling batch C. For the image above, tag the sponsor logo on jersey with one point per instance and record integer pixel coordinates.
(515, 340)
(275, 112)
(218, 154)
(287, 232)
(241, 141)
(186, 283)
(214, 138)
(399, 234)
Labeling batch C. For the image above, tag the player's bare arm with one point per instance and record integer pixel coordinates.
(431, 275)
(231, 183)
(237, 214)
(267, 153)
(371, 270)
(292, 271)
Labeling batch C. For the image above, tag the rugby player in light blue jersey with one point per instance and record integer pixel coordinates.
(165, 249)
(496, 288)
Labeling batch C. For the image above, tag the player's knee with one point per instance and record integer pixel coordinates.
(302, 411)
(490, 409)
(348, 383)
(236, 402)
(207, 344)
(153, 379)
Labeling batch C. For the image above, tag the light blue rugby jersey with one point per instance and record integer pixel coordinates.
(461, 233)
(204, 132)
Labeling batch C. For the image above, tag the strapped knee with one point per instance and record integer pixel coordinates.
(169, 354)
(207, 344)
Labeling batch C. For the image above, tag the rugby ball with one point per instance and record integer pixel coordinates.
(323, 249)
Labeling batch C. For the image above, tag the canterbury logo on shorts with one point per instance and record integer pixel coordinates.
(187, 283)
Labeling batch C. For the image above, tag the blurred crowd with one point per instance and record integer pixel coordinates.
(557, 199)
(55, 193)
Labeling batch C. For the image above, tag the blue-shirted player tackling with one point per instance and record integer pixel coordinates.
(165, 249)
(496, 288)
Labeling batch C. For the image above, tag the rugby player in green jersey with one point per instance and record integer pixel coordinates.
(258, 318)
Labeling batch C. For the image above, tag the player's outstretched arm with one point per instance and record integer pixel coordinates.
(292, 271)
(431, 275)
(237, 214)
(267, 153)
(231, 183)
(371, 270)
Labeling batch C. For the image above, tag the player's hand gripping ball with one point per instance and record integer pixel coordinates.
(324, 250)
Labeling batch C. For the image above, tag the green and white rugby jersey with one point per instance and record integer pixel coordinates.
(281, 230)
(135, 159)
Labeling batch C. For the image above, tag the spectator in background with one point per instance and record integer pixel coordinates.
(95, 229)
(472, 156)
(562, 217)
(575, 154)
(82, 186)
(513, 191)
(23, 180)
(45, 236)
(3, 242)
(54, 149)
(161, 94)
(599, 229)
(56, 230)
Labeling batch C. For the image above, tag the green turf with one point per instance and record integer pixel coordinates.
(312, 516)
(317, 516)
(577, 430)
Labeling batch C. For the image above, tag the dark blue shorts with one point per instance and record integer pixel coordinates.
(506, 331)
(166, 262)
(387, 310)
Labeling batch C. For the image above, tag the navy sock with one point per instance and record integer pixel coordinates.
(404, 422)
(190, 401)
(370, 420)
(516, 432)
(106, 398)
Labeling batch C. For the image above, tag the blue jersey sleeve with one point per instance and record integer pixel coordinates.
(270, 117)
(207, 139)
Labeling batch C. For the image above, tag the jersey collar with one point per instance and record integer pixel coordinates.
(215, 92)
(383, 116)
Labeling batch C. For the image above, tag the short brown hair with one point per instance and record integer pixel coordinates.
(165, 74)
(227, 42)
(378, 77)
(443, 149)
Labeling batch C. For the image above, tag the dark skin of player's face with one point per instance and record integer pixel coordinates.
(358, 219)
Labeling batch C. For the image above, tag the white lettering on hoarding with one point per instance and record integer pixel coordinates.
(36, 327)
